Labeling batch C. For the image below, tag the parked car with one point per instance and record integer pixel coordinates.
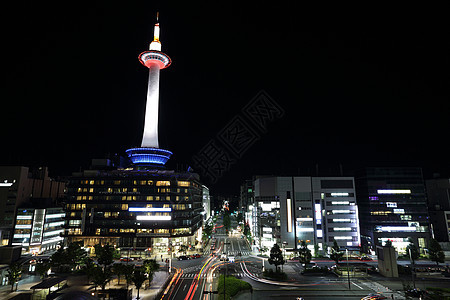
(183, 257)
(126, 259)
(196, 255)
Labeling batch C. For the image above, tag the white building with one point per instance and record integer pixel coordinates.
(206, 201)
(318, 210)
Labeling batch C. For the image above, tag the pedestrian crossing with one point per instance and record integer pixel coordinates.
(193, 275)
(229, 253)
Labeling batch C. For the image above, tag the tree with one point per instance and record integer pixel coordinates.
(105, 255)
(100, 277)
(150, 266)
(412, 251)
(304, 253)
(13, 274)
(128, 272)
(89, 267)
(118, 269)
(316, 250)
(226, 221)
(183, 248)
(138, 278)
(247, 231)
(435, 252)
(388, 243)
(336, 254)
(75, 255)
(42, 269)
(276, 256)
(239, 218)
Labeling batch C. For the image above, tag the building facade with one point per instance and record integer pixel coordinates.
(438, 195)
(38, 229)
(392, 206)
(139, 209)
(206, 200)
(317, 210)
(18, 185)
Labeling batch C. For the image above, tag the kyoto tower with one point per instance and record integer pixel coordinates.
(149, 153)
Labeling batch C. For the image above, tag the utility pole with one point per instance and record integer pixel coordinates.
(226, 267)
(348, 270)
(412, 268)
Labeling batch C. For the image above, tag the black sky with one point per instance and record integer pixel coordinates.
(360, 87)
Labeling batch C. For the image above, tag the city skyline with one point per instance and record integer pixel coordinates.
(368, 95)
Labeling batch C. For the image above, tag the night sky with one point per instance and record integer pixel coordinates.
(357, 88)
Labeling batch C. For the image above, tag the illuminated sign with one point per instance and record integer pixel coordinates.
(154, 218)
(339, 194)
(394, 191)
(150, 209)
(318, 212)
(289, 214)
(391, 204)
(306, 229)
(399, 211)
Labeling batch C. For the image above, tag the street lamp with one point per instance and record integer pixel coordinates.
(412, 268)
(284, 254)
(348, 269)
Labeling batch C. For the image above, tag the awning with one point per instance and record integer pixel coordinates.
(47, 283)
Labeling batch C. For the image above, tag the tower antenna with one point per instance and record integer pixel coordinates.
(157, 16)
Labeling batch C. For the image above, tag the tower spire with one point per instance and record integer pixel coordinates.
(156, 44)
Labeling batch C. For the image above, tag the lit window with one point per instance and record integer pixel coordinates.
(183, 183)
(149, 198)
(163, 183)
(124, 207)
(91, 182)
(91, 190)
(116, 182)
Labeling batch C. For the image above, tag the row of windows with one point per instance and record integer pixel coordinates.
(138, 182)
(134, 198)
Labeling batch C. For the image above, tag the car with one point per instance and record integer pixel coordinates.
(196, 255)
(374, 297)
(183, 257)
(416, 293)
(365, 258)
(126, 259)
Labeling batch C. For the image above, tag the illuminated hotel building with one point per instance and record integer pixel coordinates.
(142, 207)
(317, 210)
(392, 206)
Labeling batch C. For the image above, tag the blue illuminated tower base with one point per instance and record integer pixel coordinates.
(149, 156)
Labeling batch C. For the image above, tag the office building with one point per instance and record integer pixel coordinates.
(38, 229)
(317, 210)
(438, 195)
(392, 206)
(18, 186)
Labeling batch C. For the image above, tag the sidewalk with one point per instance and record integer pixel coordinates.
(24, 287)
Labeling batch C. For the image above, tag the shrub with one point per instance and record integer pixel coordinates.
(275, 275)
(232, 286)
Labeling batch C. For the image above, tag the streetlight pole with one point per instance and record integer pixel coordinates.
(226, 267)
(412, 268)
(348, 270)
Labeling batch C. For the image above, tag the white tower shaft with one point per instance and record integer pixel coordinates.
(150, 137)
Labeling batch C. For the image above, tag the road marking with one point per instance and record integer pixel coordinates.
(358, 286)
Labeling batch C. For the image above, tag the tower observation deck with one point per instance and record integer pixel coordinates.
(149, 153)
